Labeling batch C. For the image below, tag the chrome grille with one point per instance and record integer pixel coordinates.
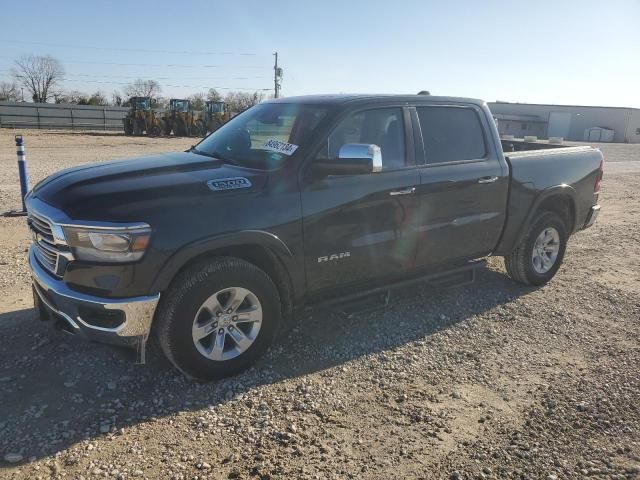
(47, 252)
(41, 226)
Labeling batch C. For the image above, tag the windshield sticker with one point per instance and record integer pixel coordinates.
(280, 147)
(228, 183)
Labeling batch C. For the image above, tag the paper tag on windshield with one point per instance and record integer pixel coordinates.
(280, 147)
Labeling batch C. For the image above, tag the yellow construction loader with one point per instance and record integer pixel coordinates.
(180, 119)
(141, 119)
(214, 116)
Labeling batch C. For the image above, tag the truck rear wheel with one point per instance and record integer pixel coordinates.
(218, 318)
(539, 255)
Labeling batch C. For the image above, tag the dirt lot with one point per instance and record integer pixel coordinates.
(493, 380)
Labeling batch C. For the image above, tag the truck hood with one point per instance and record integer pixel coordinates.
(125, 190)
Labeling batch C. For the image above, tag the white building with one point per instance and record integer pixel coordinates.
(571, 122)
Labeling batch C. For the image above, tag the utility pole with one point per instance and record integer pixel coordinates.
(277, 76)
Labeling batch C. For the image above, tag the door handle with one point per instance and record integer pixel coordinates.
(406, 191)
(487, 179)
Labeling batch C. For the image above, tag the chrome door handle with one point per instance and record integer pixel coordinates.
(406, 191)
(487, 179)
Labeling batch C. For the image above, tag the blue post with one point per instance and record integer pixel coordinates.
(22, 169)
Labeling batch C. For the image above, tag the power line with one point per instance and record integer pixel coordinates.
(217, 87)
(104, 82)
(69, 77)
(135, 77)
(171, 65)
(120, 49)
(169, 85)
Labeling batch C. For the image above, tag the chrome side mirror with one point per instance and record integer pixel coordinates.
(362, 151)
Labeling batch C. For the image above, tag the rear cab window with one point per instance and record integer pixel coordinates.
(451, 134)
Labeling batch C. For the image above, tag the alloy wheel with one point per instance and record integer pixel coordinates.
(227, 323)
(545, 250)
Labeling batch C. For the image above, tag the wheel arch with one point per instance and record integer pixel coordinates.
(263, 249)
(564, 204)
(560, 199)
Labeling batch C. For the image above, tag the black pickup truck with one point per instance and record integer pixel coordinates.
(295, 202)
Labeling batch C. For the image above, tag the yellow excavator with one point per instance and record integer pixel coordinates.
(141, 119)
(213, 117)
(180, 119)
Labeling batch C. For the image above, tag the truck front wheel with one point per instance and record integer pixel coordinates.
(218, 318)
(539, 255)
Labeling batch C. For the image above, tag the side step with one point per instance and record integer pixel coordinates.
(455, 277)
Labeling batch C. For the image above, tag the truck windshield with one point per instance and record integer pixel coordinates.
(181, 106)
(264, 136)
(140, 104)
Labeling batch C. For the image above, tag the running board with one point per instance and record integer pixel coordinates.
(454, 277)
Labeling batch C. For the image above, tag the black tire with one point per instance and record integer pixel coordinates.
(519, 263)
(202, 128)
(188, 292)
(214, 125)
(128, 128)
(156, 130)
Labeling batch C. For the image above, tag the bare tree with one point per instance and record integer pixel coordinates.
(239, 101)
(143, 88)
(97, 99)
(39, 75)
(160, 102)
(116, 98)
(197, 101)
(8, 92)
(213, 95)
(71, 96)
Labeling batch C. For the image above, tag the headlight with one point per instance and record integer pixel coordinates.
(107, 245)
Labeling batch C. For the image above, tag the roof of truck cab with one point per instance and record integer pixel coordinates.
(340, 99)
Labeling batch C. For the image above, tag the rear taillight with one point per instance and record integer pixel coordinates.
(596, 187)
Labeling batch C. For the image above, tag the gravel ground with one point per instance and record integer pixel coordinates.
(492, 380)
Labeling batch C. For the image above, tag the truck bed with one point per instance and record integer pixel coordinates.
(513, 145)
(538, 170)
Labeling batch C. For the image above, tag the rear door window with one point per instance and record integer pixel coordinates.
(451, 134)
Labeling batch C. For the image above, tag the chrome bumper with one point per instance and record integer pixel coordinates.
(593, 215)
(58, 299)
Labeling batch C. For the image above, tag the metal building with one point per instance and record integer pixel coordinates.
(571, 122)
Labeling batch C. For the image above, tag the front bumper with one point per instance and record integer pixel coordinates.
(592, 216)
(88, 315)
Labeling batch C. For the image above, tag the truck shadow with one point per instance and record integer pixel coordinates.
(57, 390)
